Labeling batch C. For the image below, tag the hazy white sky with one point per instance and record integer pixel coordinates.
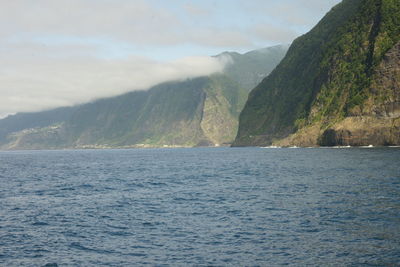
(63, 52)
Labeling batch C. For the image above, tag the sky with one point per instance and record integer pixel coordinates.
(65, 52)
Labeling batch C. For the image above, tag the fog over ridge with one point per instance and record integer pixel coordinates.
(44, 84)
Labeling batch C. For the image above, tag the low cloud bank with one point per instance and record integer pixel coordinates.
(35, 84)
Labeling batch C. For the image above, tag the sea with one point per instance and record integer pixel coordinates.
(200, 207)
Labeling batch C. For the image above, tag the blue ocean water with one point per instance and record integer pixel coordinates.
(200, 207)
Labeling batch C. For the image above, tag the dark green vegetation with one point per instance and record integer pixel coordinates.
(197, 112)
(339, 84)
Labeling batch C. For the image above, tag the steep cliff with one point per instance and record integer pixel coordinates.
(170, 114)
(197, 112)
(337, 85)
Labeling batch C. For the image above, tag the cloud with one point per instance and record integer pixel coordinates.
(136, 21)
(195, 10)
(64, 52)
(153, 22)
(32, 82)
(139, 22)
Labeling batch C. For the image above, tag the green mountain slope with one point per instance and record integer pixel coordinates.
(168, 114)
(337, 85)
(249, 69)
(197, 112)
(21, 121)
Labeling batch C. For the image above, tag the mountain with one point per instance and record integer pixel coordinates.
(196, 112)
(21, 121)
(339, 84)
(250, 69)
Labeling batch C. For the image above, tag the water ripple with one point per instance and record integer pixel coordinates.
(200, 207)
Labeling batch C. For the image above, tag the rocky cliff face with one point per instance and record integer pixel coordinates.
(377, 121)
(337, 85)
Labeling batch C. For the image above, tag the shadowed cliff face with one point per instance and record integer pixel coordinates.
(377, 121)
(337, 85)
(168, 114)
(385, 88)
